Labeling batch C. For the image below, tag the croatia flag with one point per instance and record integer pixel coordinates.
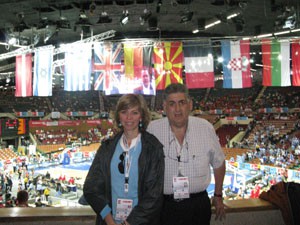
(23, 75)
(236, 64)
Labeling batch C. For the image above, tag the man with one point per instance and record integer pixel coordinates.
(191, 146)
(146, 87)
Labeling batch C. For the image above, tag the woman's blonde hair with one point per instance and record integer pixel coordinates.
(132, 100)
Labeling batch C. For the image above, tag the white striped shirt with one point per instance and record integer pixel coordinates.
(201, 149)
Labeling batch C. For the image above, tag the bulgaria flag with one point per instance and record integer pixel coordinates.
(296, 63)
(168, 61)
(199, 66)
(276, 63)
(236, 64)
(23, 75)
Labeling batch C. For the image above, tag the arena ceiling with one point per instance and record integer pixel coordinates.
(43, 22)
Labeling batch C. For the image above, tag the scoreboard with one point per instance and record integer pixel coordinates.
(13, 127)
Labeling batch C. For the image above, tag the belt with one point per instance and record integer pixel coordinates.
(192, 195)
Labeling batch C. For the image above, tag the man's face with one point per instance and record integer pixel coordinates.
(177, 107)
(146, 78)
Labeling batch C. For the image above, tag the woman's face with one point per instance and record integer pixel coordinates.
(130, 119)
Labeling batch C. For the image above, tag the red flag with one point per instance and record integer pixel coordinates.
(296, 63)
(168, 60)
(23, 75)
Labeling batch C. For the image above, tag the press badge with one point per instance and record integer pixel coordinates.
(124, 207)
(181, 187)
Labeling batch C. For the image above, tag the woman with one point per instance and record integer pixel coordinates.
(125, 182)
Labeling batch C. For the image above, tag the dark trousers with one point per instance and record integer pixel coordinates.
(195, 210)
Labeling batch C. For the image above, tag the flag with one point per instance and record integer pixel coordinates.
(78, 67)
(199, 67)
(168, 60)
(296, 63)
(107, 65)
(236, 64)
(42, 75)
(276, 63)
(137, 57)
(23, 75)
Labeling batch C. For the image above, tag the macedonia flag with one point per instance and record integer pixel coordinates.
(168, 61)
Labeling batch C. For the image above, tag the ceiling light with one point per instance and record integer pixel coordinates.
(159, 3)
(145, 16)
(104, 18)
(186, 16)
(47, 35)
(43, 23)
(265, 35)
(232, 15)
(212, 24)
(12, 41)
(282, 32)
(201, 25)
(124, 18)
(295, 30)
(152, 24)
(83, 19)
(92, 7)
(63, 23)
(21, 25)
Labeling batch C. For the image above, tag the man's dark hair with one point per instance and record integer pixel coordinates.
(175, 88)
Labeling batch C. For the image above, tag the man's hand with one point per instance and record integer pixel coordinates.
(217, 202)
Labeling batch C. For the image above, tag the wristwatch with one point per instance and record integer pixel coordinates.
(218, 195)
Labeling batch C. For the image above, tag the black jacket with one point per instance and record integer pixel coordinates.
(97, 186)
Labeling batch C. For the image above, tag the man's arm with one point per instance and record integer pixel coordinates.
(219, 174)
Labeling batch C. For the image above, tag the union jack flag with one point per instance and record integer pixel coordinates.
(107, 65)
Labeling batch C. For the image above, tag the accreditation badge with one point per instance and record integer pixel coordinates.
(181, 187)
(124, 207)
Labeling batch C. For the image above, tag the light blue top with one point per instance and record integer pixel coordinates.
(118, 179)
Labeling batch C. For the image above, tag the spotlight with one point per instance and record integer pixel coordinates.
(124, 18)
(83, 20)
(159, 3)
(186, 16)
(239, 23)
(145, 16)
(201, 24)
(12, 41)
(104, 18)
(152, 24)
(92, 7)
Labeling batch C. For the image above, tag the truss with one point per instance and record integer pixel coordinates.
(30, 49)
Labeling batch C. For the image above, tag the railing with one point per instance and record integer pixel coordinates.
(246, 212)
